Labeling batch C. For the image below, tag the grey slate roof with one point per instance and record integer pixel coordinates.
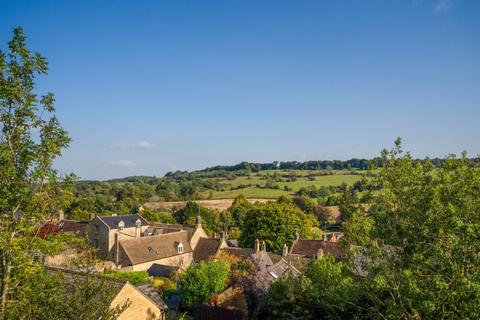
(309, 248)
(152, 293)
(206, 247)
(162, 270)
(129, 220)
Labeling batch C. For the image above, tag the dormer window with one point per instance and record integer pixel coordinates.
(180, 248)
(121, 225)
(138, 223)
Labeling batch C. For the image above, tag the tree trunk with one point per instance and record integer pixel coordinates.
(4, 289)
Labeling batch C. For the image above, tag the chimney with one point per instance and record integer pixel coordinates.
(117, 249)
(198, 222)
(61, 215)
(264, 246)
(138, 228)
(297, 235)
(93, 216)
(285, 250)
(257, 245)
(320, 254)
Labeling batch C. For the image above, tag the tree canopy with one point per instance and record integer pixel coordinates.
(31, 193)
(277, 223)
(413, 255)
(201, 281)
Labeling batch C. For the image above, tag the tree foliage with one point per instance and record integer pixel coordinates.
(31, 192)
(203, 280)
(413, 255)
(422, 241)
(276, 223)
(324, 291)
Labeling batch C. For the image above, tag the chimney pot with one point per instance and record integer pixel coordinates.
(257, 245)
(285, 250)
(264, 246)
(198, 221)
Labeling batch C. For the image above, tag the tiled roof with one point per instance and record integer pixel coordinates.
(298, 262)
(206, 247)
(161, 270)
(152, 293)
(241, 253)
(310, 248)
(78, 228)
(152, 248)
(266, 276)
(129, 220)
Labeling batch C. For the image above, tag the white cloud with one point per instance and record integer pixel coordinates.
(123, 164)
(443, 6)
(138, 145)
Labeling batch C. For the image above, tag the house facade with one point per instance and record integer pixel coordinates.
(133, 244)
(104, 231)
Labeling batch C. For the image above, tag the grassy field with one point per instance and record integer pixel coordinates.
(251, 183)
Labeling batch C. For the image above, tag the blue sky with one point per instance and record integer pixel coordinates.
(144, 87)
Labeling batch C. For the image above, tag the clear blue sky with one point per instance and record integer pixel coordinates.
(144, 87)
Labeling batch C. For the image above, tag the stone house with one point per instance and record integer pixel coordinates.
(133, 244)
(139, 254)
(312, 249)
(104, 231)
(144, 301)
(207, 248)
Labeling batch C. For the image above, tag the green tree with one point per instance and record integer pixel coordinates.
(201, 281)
(28, 144)
(239, 209)
(189, 213)
(325, 290)
(31, 191)
(420, 241)
(276, 223)
(157, 216)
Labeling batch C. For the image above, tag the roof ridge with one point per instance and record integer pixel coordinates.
(153, 236)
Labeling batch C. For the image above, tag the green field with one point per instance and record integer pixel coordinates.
(260, 178)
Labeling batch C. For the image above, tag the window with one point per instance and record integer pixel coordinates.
(138, 223)
(121, 225)
(180, 248)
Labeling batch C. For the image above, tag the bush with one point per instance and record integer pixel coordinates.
(203, 280)
(135, 278)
